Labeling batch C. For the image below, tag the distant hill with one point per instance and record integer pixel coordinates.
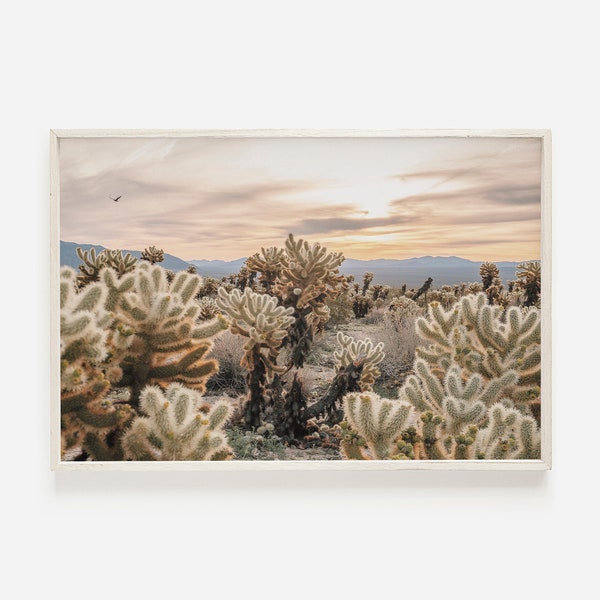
(68, 256)
(218, 268)
(444, 270)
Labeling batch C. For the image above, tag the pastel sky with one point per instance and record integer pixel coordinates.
(209, 197)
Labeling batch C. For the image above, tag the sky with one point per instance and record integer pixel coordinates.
(373, 197)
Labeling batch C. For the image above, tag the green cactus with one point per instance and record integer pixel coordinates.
(177, 427)
(377, 420)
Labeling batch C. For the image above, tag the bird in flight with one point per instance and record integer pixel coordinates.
(115, 199)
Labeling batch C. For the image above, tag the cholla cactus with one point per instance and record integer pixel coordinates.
(356, 371)
(446, 297)
(153, 255)
(422, 291)
(309, 274)
(121, 263)
(258, 318)
(91, 266)
(474, 360)
(359, 352)
(377, 420)
(402, 311)
(87, 417)
(490, 279)
(176, 427)
(473, 335)
(209, 287)
(268, 265)
(509, 435)
(367, 279)
(157, 335)
(208, 308)
(529, 282)
(459, 402)
(361, 306)
(489, 273)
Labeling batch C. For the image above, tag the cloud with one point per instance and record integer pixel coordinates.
(341, 224)
(217, 198)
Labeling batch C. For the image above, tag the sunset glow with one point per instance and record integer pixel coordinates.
(209, 198)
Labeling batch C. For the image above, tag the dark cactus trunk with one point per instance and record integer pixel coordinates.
(347, 380)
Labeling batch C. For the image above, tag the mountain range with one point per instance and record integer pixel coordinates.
(444, 270)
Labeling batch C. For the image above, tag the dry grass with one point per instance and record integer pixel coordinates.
(228, 351)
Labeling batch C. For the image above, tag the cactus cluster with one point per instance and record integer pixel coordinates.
(260, 319)
(136, 344)
(474, 364)
(158, 336)
(378, 421)
(264, 323)
(475, 386)
(93, 263)
(176, 426)
(87, 416)
(153, 255)
(359, 352)
(128, 327)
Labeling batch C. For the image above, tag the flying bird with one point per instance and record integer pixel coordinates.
(115, 199)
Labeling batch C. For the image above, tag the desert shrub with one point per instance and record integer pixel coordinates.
(175, 426)
(399, 337)
(340, 310)
(375, 316)
(228, 351)
(361, 305)
(260, 444)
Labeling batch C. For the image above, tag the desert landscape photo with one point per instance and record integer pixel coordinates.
(300, 298)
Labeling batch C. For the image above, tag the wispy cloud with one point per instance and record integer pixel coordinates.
(224, 198)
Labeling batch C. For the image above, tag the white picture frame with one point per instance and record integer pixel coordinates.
(544, 463)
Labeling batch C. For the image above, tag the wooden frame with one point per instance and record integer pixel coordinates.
(236, 465)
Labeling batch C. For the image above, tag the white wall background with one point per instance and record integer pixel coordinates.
(127, 64)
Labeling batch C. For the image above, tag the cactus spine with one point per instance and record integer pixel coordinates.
(356, 371)
(363, 352)
(87, 416)
(159, 337)
(377, 420)
(176, 427)
(258, 318)
(474, 363)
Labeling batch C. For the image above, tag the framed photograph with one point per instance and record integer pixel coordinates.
(340, 300)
